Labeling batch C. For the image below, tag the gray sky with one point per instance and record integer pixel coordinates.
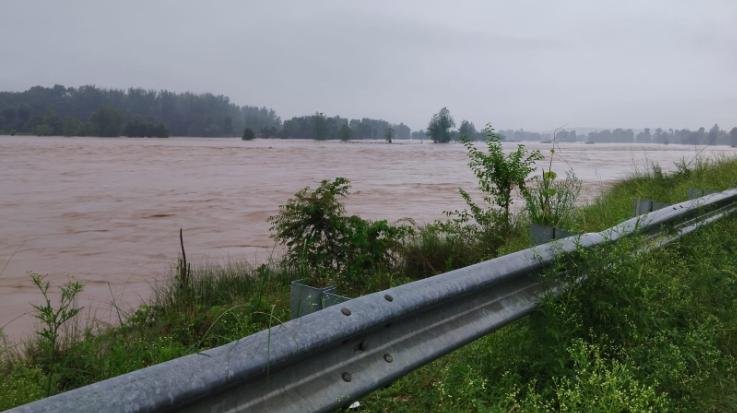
(530, 64)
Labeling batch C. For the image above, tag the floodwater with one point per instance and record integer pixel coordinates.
(108, 211)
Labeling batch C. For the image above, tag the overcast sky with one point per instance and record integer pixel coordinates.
(518, 64)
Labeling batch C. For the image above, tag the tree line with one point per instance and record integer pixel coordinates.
(319, 126)
(93, 111)
(440, 130)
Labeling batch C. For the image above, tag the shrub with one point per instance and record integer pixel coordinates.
(596, 386)
(51, 317)
(498, 176)
(248, 134)
(327, 245)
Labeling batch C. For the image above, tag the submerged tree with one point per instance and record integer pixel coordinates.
(248, 134)
(106, 122)
(439, 127)
(319, 126)
(345, 133)
(467, 130)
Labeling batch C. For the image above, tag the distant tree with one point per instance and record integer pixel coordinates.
(644, 136)
(402, 131)
(269, 132)
(713, 135)
(160, 131)
(228, 126)
(419, 134)
(73, 127)
(42, 129)
(145, 129)
(248, 134)
(319, 126)
(733, 136)
(345, 133)
(106, 122)
(467, 130)
(388, 135)
(439, 127)
(565, 135)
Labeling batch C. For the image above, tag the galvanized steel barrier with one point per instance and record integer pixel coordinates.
(332, 357)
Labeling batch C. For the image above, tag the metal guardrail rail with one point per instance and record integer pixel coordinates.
(330, 358)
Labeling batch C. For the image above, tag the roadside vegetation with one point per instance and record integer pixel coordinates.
(652, 331)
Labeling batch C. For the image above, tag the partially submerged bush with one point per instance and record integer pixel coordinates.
(326, 244)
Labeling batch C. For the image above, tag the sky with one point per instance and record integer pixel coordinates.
(526, 64)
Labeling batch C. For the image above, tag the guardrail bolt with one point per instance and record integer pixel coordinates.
(388, 358)
(346, 376)
(345, 311)
(388, 297)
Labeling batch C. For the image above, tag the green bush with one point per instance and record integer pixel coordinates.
(20, 384)
(326, 245)
(597, 385)
(498, 175)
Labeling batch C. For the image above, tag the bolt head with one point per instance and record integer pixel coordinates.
(388, 297)
(388, 358)
(346, 376)
(345, 311)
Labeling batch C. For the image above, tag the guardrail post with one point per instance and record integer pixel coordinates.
(540, 234)
(643, 206)
(305, 299)
(694, 193)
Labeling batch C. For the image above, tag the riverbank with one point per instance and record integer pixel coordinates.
(653, 331)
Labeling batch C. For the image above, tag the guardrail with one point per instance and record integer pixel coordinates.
(330, 358)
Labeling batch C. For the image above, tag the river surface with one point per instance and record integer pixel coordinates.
(108, 211)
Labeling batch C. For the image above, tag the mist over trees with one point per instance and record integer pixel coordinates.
(92, 111)
(136, 112)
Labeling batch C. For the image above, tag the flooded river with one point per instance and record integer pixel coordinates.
(107, 211)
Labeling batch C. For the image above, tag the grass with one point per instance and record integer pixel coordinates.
(646, 332)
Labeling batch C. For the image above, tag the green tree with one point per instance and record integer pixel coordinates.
(345, 133)
(319, 126)
(228, 126)
(467, 130)
(73, 127)
(439, 127)
(733, 136)
(330, 245)
(388, 135)
(147, 129)
(248, 134)
(713, 135)
(106, 122)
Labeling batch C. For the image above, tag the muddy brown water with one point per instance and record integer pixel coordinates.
(107, 211)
